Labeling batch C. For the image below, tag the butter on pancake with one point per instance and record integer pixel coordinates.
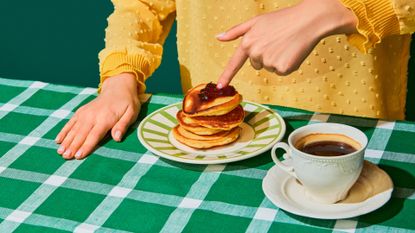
(228, 137)
(371, 181)
(224, 122)
(194, 105)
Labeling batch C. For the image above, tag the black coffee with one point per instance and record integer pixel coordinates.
(327, 148)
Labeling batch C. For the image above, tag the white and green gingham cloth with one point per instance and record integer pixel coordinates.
(123, 187)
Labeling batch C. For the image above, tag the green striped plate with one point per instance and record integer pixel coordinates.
(262, 128)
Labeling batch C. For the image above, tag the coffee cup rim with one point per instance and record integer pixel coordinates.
(339, 157)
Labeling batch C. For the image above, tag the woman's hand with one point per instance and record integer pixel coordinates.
(115, 109)
(280, 41)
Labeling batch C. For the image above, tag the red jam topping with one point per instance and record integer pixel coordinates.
(210, 92)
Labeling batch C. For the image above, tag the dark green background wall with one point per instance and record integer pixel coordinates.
(58, 41)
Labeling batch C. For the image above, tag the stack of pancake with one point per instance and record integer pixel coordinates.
(209, 117)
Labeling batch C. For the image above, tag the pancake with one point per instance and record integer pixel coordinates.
(197, 129)
(224, 122)
(227, 138)
(193, 136)
(192, 105)
(209, 117)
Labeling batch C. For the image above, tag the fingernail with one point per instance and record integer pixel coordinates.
(219, 86)
(78, 154)
(220, 35)
(58, 138)
(61, 149)
(118, 135)
(67, 153)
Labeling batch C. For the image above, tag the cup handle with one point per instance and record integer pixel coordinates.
(287, 155)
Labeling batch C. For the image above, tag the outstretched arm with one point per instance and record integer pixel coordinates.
(134, 38)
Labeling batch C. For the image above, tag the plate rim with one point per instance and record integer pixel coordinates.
(215, 161)
(285, 205)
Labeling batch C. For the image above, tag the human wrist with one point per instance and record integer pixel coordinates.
(331, 16)
(126, 81)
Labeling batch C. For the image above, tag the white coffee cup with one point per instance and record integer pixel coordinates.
(326, 179)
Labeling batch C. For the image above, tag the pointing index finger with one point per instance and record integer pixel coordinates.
(234, 65)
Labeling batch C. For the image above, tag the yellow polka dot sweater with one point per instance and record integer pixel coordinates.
(363, 74)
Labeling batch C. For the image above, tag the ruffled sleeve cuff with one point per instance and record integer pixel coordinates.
(117, 63)
(376, 20)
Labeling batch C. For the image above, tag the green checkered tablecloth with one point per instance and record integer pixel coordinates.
(123, 187)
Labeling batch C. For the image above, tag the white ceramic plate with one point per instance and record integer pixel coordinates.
(286, 193)
(262, 128)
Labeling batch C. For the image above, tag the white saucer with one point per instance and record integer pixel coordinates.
(286, 193)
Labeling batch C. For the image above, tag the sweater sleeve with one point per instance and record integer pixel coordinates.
(134, 38)
(380, 18)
